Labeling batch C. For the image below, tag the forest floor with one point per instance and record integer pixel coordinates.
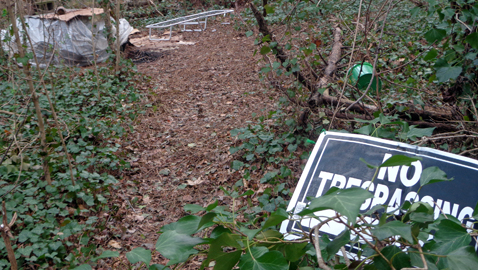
(180, 147)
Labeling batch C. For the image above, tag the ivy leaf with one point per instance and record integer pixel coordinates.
(432, 54)
(346, 202)
(250, 233)
(269, 9)
(294, 251)
(276, 218)
(450, 236)
(218, 231)
(398, 258)
(212, 206)
(432, 175)
(265, 49)
(247, 259)
(177, 247)
(193, 208)
(435, 35)
(139, 255)
(225, 260)
(463, 258)
(366, 130)
(414, 132)
(106, 254)
(273, 260)
(237, 165)
(394, 228)
(270, 235)
(449, 72)
(83, 267)
(249, 33)
(398, 160)
(158, 267)
(186, 225)
(22, 60)
(421, 212)
(475, 212)
(341, 240)
(206, 221)
(472, 39)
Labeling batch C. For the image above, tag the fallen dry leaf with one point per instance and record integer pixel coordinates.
(115, 244)
(195, 182)
(138, 218)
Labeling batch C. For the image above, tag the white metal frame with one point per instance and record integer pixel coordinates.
(194, 19)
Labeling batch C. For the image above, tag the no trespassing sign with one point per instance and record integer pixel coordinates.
(335, 162)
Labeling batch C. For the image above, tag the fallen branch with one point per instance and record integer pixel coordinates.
(10, 113)
(334, 57)
(342, 105)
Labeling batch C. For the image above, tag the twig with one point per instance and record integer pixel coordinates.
(320, 260)
(374, 247)
(6, 235)
(350, 63)
(422, 256)
(374, 75)
(474, 107)
(156, 7)
(10, 113)
(407, 63)
(456, 17)
(425, 139)
(344, 254)
(468, 151)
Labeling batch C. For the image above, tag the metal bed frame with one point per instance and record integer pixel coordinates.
(187, 20)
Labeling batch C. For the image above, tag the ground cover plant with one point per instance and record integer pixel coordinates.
(424, 54)
(54, 208)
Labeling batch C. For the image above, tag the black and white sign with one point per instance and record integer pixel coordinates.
(335, 162)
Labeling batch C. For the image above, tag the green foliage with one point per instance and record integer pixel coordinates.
(92, 111)
(390, 127)
(264, 142)
(457, 43)
(245, 240)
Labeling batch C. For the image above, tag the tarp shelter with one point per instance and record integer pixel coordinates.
(73, 38)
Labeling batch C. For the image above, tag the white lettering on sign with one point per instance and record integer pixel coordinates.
(395, 201)
(371, 187)
(393, 198)
(325, 177)
(339, 181)
(392, 172)
(391, 186)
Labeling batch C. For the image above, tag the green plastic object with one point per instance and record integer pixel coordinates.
(363, 74)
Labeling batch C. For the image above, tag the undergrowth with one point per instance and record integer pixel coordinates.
(55, 223)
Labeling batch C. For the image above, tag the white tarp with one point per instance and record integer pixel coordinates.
(69, 42)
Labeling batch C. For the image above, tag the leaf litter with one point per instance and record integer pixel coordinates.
(180, 146)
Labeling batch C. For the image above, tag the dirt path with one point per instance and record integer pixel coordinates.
(181, 145)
